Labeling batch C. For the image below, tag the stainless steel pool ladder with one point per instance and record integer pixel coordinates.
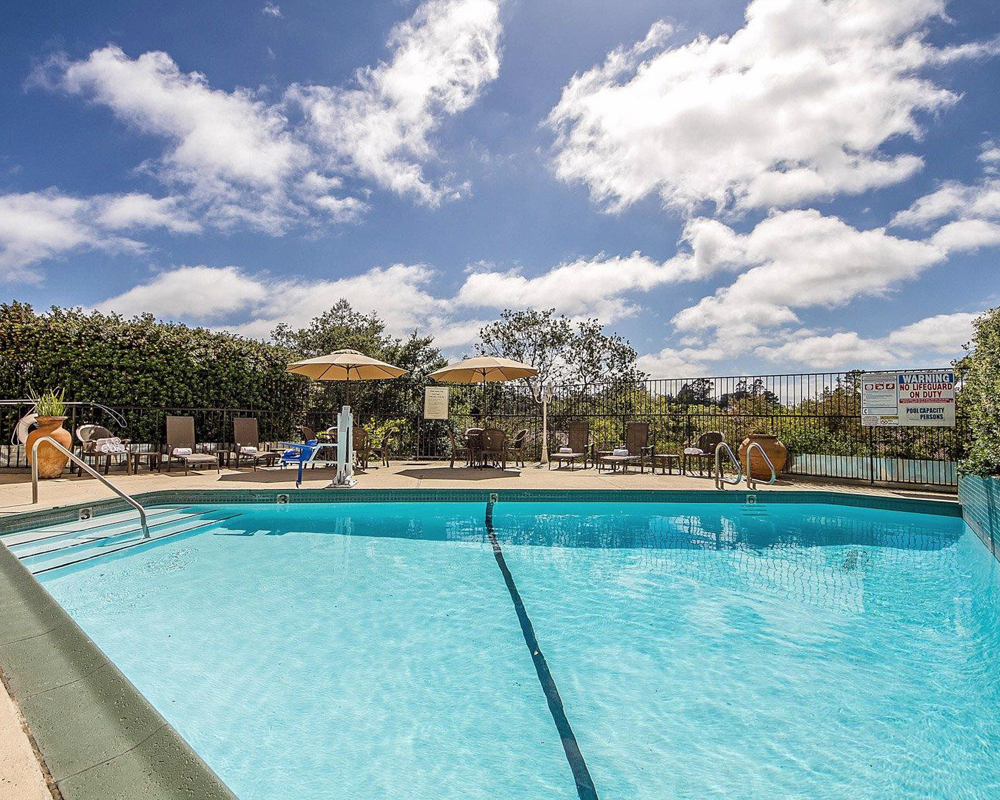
(720, 479)
(90, 471)
(751, 483)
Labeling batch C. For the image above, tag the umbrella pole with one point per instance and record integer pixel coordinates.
(484, 399)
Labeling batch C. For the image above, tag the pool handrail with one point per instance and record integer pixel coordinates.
(720, 479)
(751, 482)
(90, 471)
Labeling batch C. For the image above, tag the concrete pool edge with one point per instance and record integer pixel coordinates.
(946, 506)
(97, 736)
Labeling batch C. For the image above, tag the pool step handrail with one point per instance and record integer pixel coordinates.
(751, 482)
(720, 479)
(90, 471)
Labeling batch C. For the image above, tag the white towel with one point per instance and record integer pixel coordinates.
(181, 451)
(619, 451)
(248, 451)
(565, 449)
(693, 451)
(109, 445)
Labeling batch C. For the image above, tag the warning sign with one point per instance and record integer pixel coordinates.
(909, 399)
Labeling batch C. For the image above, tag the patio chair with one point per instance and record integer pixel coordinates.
(181, 446)
(385, 444)
(246, 444)
(703, 452)
(517, 447)
(578, 439)
(362, 451)
(636, 450)
(474, 441)
(494, 446)
(92, 447)
(458, 450)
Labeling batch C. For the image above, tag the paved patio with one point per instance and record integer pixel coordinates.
(15, 488)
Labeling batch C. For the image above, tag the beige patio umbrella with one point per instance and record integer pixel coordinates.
(484, 369)
(347, 366)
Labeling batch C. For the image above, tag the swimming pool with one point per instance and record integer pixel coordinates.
(627, 650)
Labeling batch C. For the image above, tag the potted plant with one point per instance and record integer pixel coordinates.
(50, 410)
(776, 451)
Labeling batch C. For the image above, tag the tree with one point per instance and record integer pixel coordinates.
(980, 371)
(343, 328)
(698, 392)
(562, 351)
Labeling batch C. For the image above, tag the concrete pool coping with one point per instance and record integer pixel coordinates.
(99, 738)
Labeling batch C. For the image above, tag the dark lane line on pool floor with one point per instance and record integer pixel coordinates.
(584, 783)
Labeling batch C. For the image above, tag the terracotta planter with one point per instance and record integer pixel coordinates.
(51, 462)
(775, 450)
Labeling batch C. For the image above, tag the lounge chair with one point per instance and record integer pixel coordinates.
(636, 451)
(493, 447)
(90, 437)
(578, 438)
(246, 444)
(703, 452)
(181, 446)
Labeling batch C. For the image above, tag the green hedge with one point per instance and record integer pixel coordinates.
(140, 362)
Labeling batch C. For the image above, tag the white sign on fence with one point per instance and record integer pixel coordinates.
(908, 399)
(436, 402)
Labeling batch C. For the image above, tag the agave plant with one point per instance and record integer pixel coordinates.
(50, 403)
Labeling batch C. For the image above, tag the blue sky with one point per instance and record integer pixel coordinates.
(784, 185)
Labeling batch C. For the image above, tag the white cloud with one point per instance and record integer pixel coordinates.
(601, 286)
(839, 350)
(230, 150)
(674, 363)
(195, 293)
(260, 301)
(585, 287)
(951, 200)
(35, 226)
(796, 105)
(802, 259)
(942, 333)
(272, 10)
(443, 57)
(926, 342)
(989, 155)
(967, 234)
(145, 211)
(239, 160)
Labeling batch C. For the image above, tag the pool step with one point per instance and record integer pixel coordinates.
(127, 522)
(74, 551)
(107, 536)
(95, 525)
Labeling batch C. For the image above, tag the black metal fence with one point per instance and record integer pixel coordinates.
(816, 415)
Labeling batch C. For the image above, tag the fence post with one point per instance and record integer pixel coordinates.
(871, 454)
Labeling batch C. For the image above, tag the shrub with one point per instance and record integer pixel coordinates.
(980, 395)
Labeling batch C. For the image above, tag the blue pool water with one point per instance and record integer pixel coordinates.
(366, 651)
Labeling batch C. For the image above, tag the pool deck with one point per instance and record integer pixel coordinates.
(15, 488)
(22, 777)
